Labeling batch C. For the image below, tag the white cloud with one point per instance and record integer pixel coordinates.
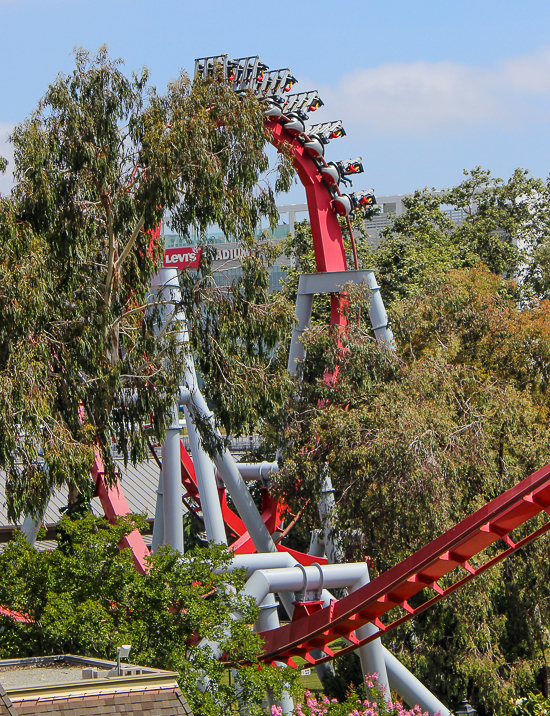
(426, 97)
(529, 73)
(6, 180)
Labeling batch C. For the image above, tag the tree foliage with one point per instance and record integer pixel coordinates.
(417, 438)
(503, 224)
(83, 362)
(85, 597)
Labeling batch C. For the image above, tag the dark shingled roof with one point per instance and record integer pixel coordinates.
(138, 691)
(158, 702)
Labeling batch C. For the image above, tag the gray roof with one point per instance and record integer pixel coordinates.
(139, 485)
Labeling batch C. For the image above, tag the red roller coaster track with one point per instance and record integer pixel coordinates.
(455, 548)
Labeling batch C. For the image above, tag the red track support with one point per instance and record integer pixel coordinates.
(455, 548)
(114, 505)
(271, 515)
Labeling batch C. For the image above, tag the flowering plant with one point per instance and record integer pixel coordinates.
(531, 705)
(374, 704)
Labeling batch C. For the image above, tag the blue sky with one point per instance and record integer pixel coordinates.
(425, 89)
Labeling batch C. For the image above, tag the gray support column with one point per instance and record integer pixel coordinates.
(229, 472)
(206, 482)
(316, 544)
(377, 312)
(292, 221)
(172, 509)
(372, 654)
(410, 688)
(304, 306)
(158, 524)
(326, 511)
(269, 619)
(30, 529)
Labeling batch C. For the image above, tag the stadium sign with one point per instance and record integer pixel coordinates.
(189, 256)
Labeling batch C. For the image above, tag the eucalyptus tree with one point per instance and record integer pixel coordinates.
(83, 364)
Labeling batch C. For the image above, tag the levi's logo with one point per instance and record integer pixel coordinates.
(184, 258)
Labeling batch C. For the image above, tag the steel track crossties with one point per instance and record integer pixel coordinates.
(452, 550)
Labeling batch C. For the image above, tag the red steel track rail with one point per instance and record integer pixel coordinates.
(495, 521)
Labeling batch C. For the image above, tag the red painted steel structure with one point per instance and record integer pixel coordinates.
(455, 548)
(328, 244)
(272, 515)
(314, 627)
(114, 505)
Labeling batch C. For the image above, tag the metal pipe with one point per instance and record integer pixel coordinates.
(206, 482)
(257, 470)
(229, 472)
(410, 688)
(304, 307)
(377, 313)
(158, 524)
(327, 507)
(30, 529)
(303, 579)
(165, 286)
(316, 544)
(371, 654)
(171, 485)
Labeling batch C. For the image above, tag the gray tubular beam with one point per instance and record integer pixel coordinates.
(304, 306)
(327, 507)
(171, 486)
(371, 654)
(316, 544)
(206, 482)
(377, 313)
(229, 472)
(158, 524)
(410, 688)
(30, 529)
(165, 287)
(257, 470)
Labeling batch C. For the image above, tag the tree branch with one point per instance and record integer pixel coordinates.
(142, 308)
(111, 259)
(130, 244)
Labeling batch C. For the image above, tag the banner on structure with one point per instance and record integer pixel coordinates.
(183, 258)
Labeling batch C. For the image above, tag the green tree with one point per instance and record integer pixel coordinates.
(83, 364)
(85, 597)
(504, 225)
(416, 439)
